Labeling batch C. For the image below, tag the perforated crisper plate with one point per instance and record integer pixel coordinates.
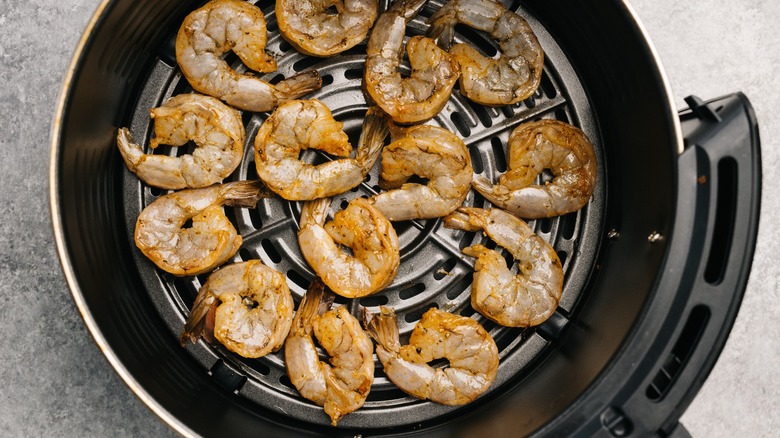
(433, 270)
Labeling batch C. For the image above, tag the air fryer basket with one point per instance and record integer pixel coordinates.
(616, 252)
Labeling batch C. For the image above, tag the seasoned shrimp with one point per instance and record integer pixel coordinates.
(342, 385)
(223, 25)
(429, 152)
(434, 71)
(211, 239)
(471, 352)
(521, 300)
(360, 227)
(307, 124)
(245, 306)
(310, 27)
(533, 147)
(215, 128)
(510, 78)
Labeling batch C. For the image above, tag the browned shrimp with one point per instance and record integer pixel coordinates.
(434, 71)
(211, 240)
(223, 25)
(342, 385)
(311, 27)
(521, 300)
(245, 306)
(533, 147)
(471, 351)
(374, 256)
(309, 124)
(215, 127)
(430, 152)
(517, 71)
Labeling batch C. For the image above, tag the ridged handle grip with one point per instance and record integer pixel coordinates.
(707, 266)
(705, 272)
(722, 155)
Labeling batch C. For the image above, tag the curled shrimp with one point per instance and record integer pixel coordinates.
(521, 300)
(515, 74)
(305, 124)
(360, 227)
(312, 29)
(342, 385)
(434, 71)
(533, 147)
(211, 239)
(223, 25)
(471, 351)
(215, 128)
(430, 152)
(246, 306)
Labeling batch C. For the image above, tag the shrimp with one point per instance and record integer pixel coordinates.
(522, 300)
(223, 25)
(514, 75)
(360, 227)
(342, 385)
(429, 152)
(210, 241)
(307, 124)
(312, 29)
(471, 352)
(245, 306)
(533, 147)
(215, 127)
(434, 72)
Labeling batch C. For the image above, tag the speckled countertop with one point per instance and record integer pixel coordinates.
(55, 382)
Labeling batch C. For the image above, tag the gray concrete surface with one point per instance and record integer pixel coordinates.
(54, 380)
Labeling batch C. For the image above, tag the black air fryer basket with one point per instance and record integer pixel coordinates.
(655, 265)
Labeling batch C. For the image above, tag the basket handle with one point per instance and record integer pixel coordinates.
(719, 193)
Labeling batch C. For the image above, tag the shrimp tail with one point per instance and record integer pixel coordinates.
(315, 302)
(442, 26)
(245, 193)
(131, 152)
(372, 138)
(201, 319)
(409, 8)
(325, 298)
(299, 85)
(315, 212)
(383, 328)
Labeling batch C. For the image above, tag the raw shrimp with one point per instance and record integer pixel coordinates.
(471, 352)
(246, 306)
(517, 71)
(310, 26)
(434, 71)
(215, 127)
(210, 241)
(360, 227)
(342, 385)
(304, 124)
(429, 152)
(521, 300)
(223, 25)
(533, 147)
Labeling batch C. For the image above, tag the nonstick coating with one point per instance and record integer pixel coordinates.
(612, 87)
